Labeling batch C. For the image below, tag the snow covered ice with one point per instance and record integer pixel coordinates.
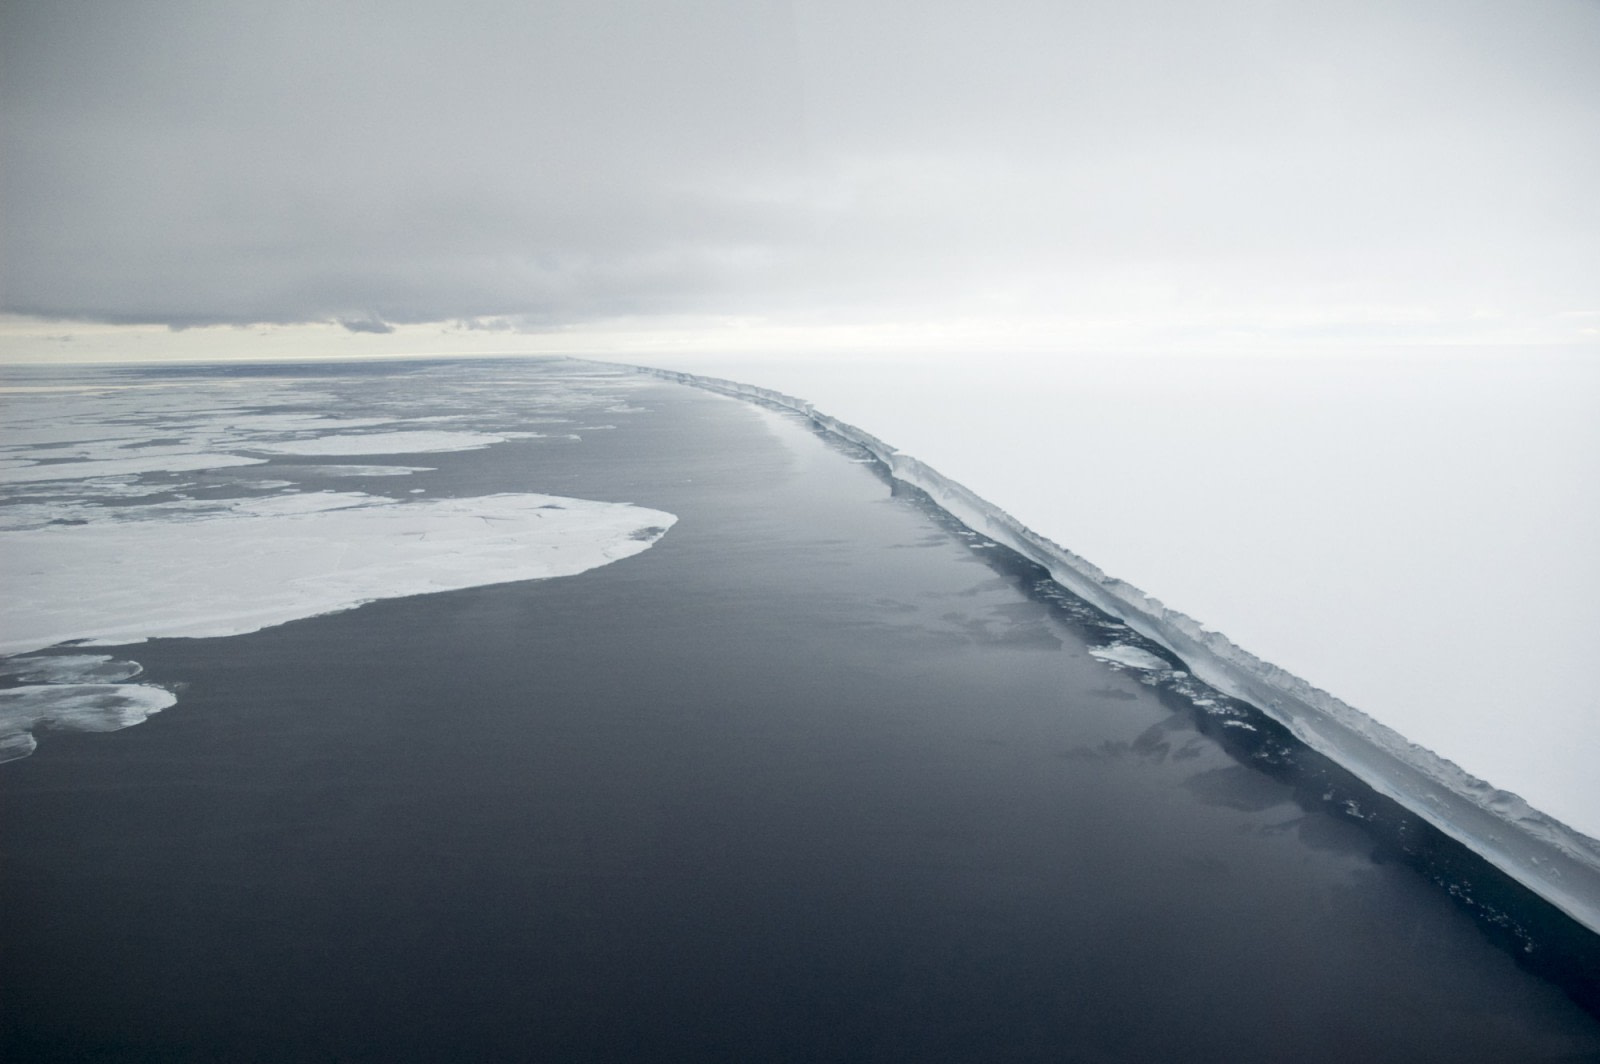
(121, 467)
(69, 668)
(1131, 657)
(135, 507)
(78, 707)
(277, 560)
(385, 443)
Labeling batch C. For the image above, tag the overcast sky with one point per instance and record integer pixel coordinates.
(1127, 172)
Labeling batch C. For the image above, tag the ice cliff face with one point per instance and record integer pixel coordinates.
(1555, 861)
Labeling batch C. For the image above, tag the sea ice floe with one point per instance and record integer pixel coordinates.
(81, 492)
(48, 432)
(112, 467)
(267, 561)
(153, 445)
(23, 516)
(1132, 657)
(305, 502)
(100, 546)
(97, 707)
(420, 442)
(300, 423)
(69, 668)
(37, 515)
(355, 470)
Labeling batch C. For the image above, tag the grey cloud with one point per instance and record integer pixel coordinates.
(366, 325)
(193, 163)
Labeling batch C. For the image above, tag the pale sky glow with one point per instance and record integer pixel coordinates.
(828, 175)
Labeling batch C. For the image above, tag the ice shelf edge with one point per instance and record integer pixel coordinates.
(1555, 861)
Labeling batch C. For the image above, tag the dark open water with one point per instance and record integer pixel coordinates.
(817, 777)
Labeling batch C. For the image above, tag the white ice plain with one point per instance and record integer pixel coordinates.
(270, 561)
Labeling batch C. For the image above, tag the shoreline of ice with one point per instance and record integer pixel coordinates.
(1555, 861)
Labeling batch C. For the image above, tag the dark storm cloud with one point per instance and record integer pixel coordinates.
(193, 163)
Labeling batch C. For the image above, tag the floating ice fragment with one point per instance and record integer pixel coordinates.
(69, 668)
(111, 467)
(267, 561)
(99, 707)
(309, 502)
(384, 443)
(352, 470)
(1132, 657)
(300, 422)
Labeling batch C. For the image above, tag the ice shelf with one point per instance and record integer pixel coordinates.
(1555, 861)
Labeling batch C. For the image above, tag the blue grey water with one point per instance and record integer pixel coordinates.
(819, 776)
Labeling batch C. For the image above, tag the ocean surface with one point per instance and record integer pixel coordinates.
(796, 769)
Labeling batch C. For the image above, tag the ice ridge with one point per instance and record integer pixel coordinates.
(1555, 861)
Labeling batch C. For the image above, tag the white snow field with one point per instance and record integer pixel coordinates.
(1412, 535)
